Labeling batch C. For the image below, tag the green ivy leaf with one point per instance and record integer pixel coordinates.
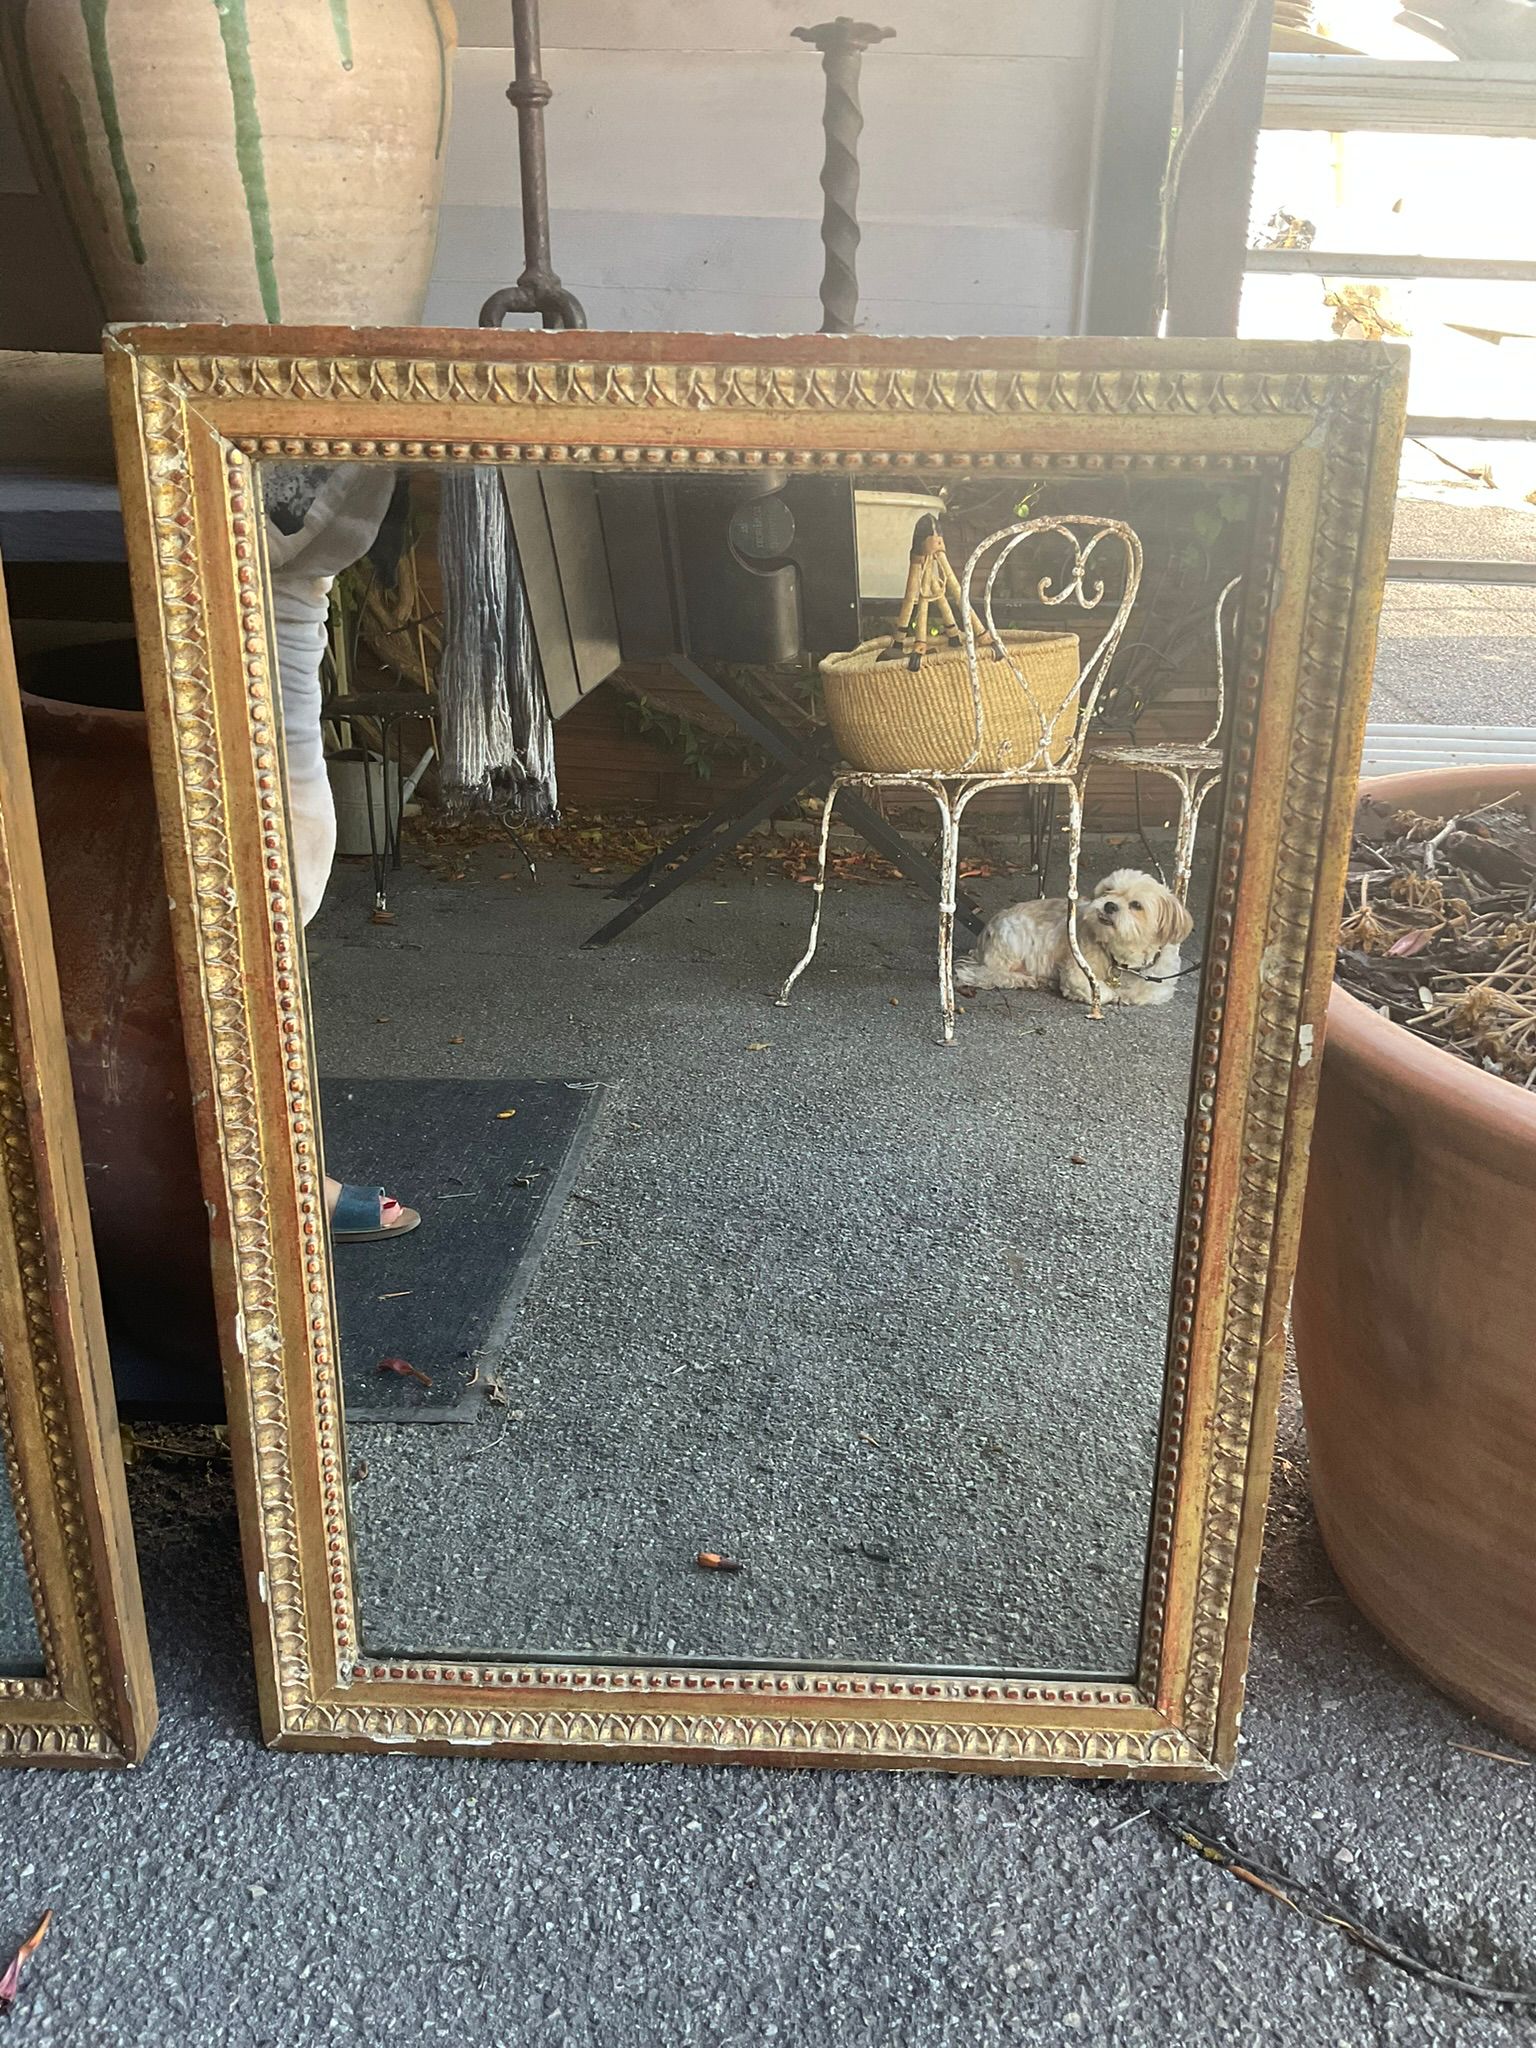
(1207, 525)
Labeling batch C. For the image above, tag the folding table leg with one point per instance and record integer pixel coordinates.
(884, 838)
(662, 885)
(679, 848)
(761, 725)
(753, 719)
(799, 769)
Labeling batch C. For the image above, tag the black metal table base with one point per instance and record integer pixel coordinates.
(795, 768)
(390, 710)
(693, 851)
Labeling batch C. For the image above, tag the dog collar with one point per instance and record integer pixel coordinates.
(1178, 974)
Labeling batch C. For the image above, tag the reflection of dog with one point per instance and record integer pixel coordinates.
(1130, 932)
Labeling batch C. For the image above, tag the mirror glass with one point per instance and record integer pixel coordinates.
(689, 1326)
(21, 1653)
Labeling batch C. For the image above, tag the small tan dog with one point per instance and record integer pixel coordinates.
(1130, 931)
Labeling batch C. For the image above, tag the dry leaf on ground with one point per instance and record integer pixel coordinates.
(403, 1369)
(10, 1982)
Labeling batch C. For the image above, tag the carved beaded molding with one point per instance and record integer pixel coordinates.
(56, 1726)
(1258, 584)
(283, 1365)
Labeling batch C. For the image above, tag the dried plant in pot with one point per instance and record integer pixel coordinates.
(1415, 1326)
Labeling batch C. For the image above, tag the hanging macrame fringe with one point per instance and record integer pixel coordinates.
(496, 739)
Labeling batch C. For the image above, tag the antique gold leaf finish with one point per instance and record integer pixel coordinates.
(94, 1702)
(1312, 430)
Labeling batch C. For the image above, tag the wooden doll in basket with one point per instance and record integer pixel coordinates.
(931, 582)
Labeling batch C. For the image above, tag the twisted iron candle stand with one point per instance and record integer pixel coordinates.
(1194, 767)
(539, 289)
(842, 44)
(1051, 765)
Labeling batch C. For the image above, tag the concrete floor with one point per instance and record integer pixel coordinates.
(1459, 653)
(1449, 644)
(221, 1895)
(882, 1321)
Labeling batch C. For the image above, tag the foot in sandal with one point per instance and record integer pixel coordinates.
(361, 1215)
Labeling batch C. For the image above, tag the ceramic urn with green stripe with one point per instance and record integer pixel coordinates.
(254, 160)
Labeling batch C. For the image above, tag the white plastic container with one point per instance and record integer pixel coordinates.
(352, 794)
(884, 521)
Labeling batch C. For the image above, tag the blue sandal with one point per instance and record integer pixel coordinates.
(358, 1217)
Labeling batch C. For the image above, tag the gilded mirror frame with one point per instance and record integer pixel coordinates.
(94, 1702)
(196, 409)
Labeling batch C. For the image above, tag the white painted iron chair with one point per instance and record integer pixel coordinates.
(1056, 763)
(1195, 766)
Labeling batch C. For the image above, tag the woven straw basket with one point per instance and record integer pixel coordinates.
(884, 718)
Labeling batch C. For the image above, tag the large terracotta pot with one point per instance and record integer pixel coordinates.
(246, 160)
(1415, 1325)
(111, 933)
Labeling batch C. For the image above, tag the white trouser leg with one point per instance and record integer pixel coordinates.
(299, 608)
(339, 528)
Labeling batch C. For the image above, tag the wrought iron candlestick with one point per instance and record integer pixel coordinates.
(842, 44)
(539, 289)
(498, 741)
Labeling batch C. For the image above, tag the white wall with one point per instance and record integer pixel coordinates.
(685, 144)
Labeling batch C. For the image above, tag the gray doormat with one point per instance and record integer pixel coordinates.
(490, 1187)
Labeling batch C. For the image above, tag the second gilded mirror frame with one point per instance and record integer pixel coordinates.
(1316, 427)
(93, 1700)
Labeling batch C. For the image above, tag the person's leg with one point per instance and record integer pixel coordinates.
(365, 1212)
(333, 535)
(321, 523)
(300, 608)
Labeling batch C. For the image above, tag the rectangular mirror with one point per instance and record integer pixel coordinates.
(75, 1682)
(815, 1296)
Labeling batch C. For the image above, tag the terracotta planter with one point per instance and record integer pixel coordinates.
(111, 930)
(252, 160)
(1415, 1323)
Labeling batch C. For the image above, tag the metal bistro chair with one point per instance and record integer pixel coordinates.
(1057, 762)
(1196, 766)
